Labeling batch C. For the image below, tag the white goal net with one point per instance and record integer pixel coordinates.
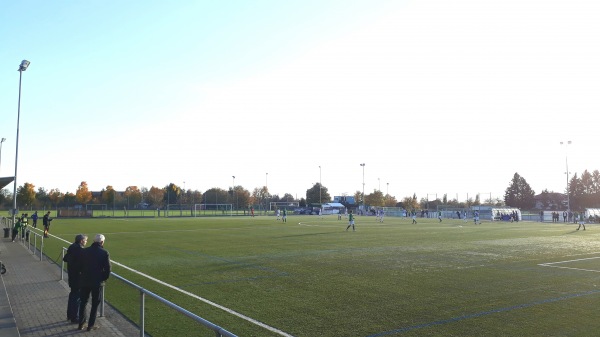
(212, 209)
(289, 205)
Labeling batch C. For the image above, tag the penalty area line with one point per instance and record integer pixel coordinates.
(555, 264)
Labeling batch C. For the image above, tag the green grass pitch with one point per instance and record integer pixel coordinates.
(309, 277)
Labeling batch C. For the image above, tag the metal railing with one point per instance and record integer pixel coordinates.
(219, 331)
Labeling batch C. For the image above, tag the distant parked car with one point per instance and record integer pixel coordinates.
(301, 211)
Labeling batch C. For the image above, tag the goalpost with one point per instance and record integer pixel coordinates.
(212, 209)
(95, 207)
(283, 204)
(96, 210)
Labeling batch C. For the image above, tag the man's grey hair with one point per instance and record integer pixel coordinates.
(99, 238)
(80, 237)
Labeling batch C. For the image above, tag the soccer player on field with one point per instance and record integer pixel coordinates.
(277, 212)
(440, 215)
(581, 220)
(284, 218)
(351, 221)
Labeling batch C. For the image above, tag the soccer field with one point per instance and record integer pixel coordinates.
(309, 277)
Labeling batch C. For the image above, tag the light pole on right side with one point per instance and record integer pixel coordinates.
(320, 186)
(363, 194)
(566, 144)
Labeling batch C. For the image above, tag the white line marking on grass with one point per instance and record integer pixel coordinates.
(230, 311)
(235, 313)
(552, 264)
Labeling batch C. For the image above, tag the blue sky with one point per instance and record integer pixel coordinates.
(434, 96)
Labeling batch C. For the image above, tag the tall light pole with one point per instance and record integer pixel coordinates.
(566, 144)
(387, 190)
(379, 182)
(1, 141)
(363, 194)
(483, 201)
(320, 185)
(22, 67)
(233, 189)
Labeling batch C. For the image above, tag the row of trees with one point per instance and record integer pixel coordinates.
(584, 192)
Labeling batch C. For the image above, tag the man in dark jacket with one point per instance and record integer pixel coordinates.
(95, 270)
(46, 222)
(74, 261)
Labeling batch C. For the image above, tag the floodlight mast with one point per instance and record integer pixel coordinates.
(1, 141)
(566, 144)
(363, 194)
(22, 67)
(233, 191)
(320, 200)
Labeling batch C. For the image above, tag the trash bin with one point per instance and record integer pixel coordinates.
(6, 232)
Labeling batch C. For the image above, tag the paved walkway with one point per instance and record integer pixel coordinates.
(33, 299)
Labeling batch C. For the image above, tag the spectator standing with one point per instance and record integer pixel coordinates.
(24, 222)
(74, 260)
(16, 229)
(95, 270)
(34, 217)
(46, 222)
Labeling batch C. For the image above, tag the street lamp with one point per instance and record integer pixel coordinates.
(363, 194)
(22, 67)
(320, 185)
(387, 190)
(428, 194)
(566, 144)
(1, 141)
(483, 201)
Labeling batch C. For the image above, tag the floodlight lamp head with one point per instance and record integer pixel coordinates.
(24, 65)
(3, 140)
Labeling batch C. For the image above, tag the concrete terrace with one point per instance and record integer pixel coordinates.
(33, 299)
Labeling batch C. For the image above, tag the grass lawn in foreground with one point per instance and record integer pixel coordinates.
(309, 277)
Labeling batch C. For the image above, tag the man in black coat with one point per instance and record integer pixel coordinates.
(95, 270)
(46, 222)
(74, 259)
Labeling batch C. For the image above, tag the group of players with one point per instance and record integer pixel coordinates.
(379, 216)
(281, 216)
